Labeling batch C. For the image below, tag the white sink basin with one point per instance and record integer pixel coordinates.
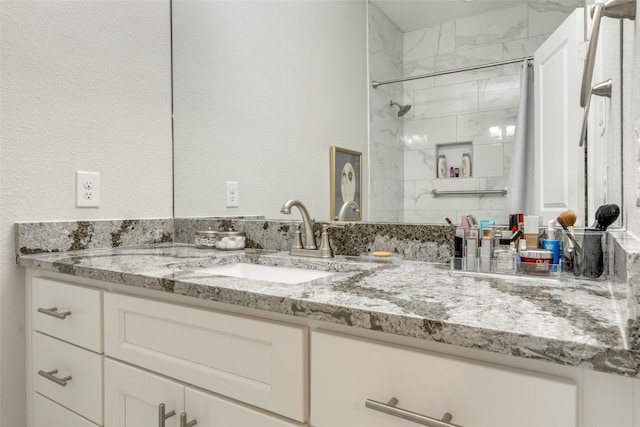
(266, 273)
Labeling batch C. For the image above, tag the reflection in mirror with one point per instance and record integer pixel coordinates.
(262, 89)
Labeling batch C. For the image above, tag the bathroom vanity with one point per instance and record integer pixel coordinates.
(153, 339)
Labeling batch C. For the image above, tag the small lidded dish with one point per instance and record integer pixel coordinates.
(230, 240)
(206, 239)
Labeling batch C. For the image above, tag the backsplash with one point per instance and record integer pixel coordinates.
(413, 242)
(42, 237)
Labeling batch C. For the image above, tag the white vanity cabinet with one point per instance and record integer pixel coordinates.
(348, 372)
(66, 354)
(254, 361)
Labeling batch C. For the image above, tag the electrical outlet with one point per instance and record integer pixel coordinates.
(87, 189)
(232, 194)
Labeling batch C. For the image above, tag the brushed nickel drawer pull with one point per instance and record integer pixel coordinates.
(390, 408)
(162, 416)
(53, 311)
(184, 423)
(49, 375)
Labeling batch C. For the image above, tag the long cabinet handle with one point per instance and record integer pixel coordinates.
(49, 375)
(184, 423)
(53, 311)
(390, 408)
(163, 415)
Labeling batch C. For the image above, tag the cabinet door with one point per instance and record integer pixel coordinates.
(346, 372)
(47, 413)
(133, 396)
(215, 411)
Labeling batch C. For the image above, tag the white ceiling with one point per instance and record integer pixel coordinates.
(410, 15)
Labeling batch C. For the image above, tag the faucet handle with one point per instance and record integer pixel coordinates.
(325, 247)
(297, 237)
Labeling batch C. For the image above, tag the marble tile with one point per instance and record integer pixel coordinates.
(488, 127)
(546, 16)
(420, 164)
(504, 25)
(499, 93)
(423, 199)
(426, 133)
(387, 194)
(467, 58)
(419, 67)
(429, 216)
(447, 42)
(425, 42)
(385, 46)
(446, 100)
(520, 48)
(487, 161)
(387, 162)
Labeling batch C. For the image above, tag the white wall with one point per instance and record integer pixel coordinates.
(262, 89)
(85, 86)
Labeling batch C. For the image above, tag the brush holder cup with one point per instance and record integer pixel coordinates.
(589, 253)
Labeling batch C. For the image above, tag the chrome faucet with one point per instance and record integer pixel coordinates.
(309, 249)
(343, 210)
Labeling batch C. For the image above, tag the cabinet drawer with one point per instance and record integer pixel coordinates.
(345, 372)
(82, 327)
(47, 413)
(211, 410)
(83, 392)
(257, 362)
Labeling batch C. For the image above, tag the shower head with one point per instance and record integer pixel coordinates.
(404, 109)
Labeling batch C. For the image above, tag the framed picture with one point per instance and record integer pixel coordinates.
(346, 182)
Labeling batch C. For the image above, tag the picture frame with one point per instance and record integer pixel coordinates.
(345, 182)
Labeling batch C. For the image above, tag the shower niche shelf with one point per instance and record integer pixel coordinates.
(453, 151)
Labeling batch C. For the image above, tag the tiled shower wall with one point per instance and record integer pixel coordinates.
(477, 108)
(386, 150)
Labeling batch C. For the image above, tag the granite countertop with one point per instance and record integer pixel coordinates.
(567, 321)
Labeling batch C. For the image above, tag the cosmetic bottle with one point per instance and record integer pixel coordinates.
(553, 245)
(466, 165)
(531, 228)
(506, 259)
(442, 166)
(458, 248)
(485, 253)
(472, 249)
(452, 172)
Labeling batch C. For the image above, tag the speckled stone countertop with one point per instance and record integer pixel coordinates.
(569, 321)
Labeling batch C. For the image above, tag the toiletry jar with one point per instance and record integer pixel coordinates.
(537, 262)
(206, 239)
(230, 240)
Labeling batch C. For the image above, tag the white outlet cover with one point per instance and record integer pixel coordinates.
(87, 189)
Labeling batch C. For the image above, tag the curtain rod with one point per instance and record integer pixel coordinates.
(375, 84)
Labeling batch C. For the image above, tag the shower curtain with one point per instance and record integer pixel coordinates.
(520, 198)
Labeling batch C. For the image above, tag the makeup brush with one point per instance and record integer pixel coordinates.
(605, 216)
(566, 220)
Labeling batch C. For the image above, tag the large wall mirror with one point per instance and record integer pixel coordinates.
(263, 89)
